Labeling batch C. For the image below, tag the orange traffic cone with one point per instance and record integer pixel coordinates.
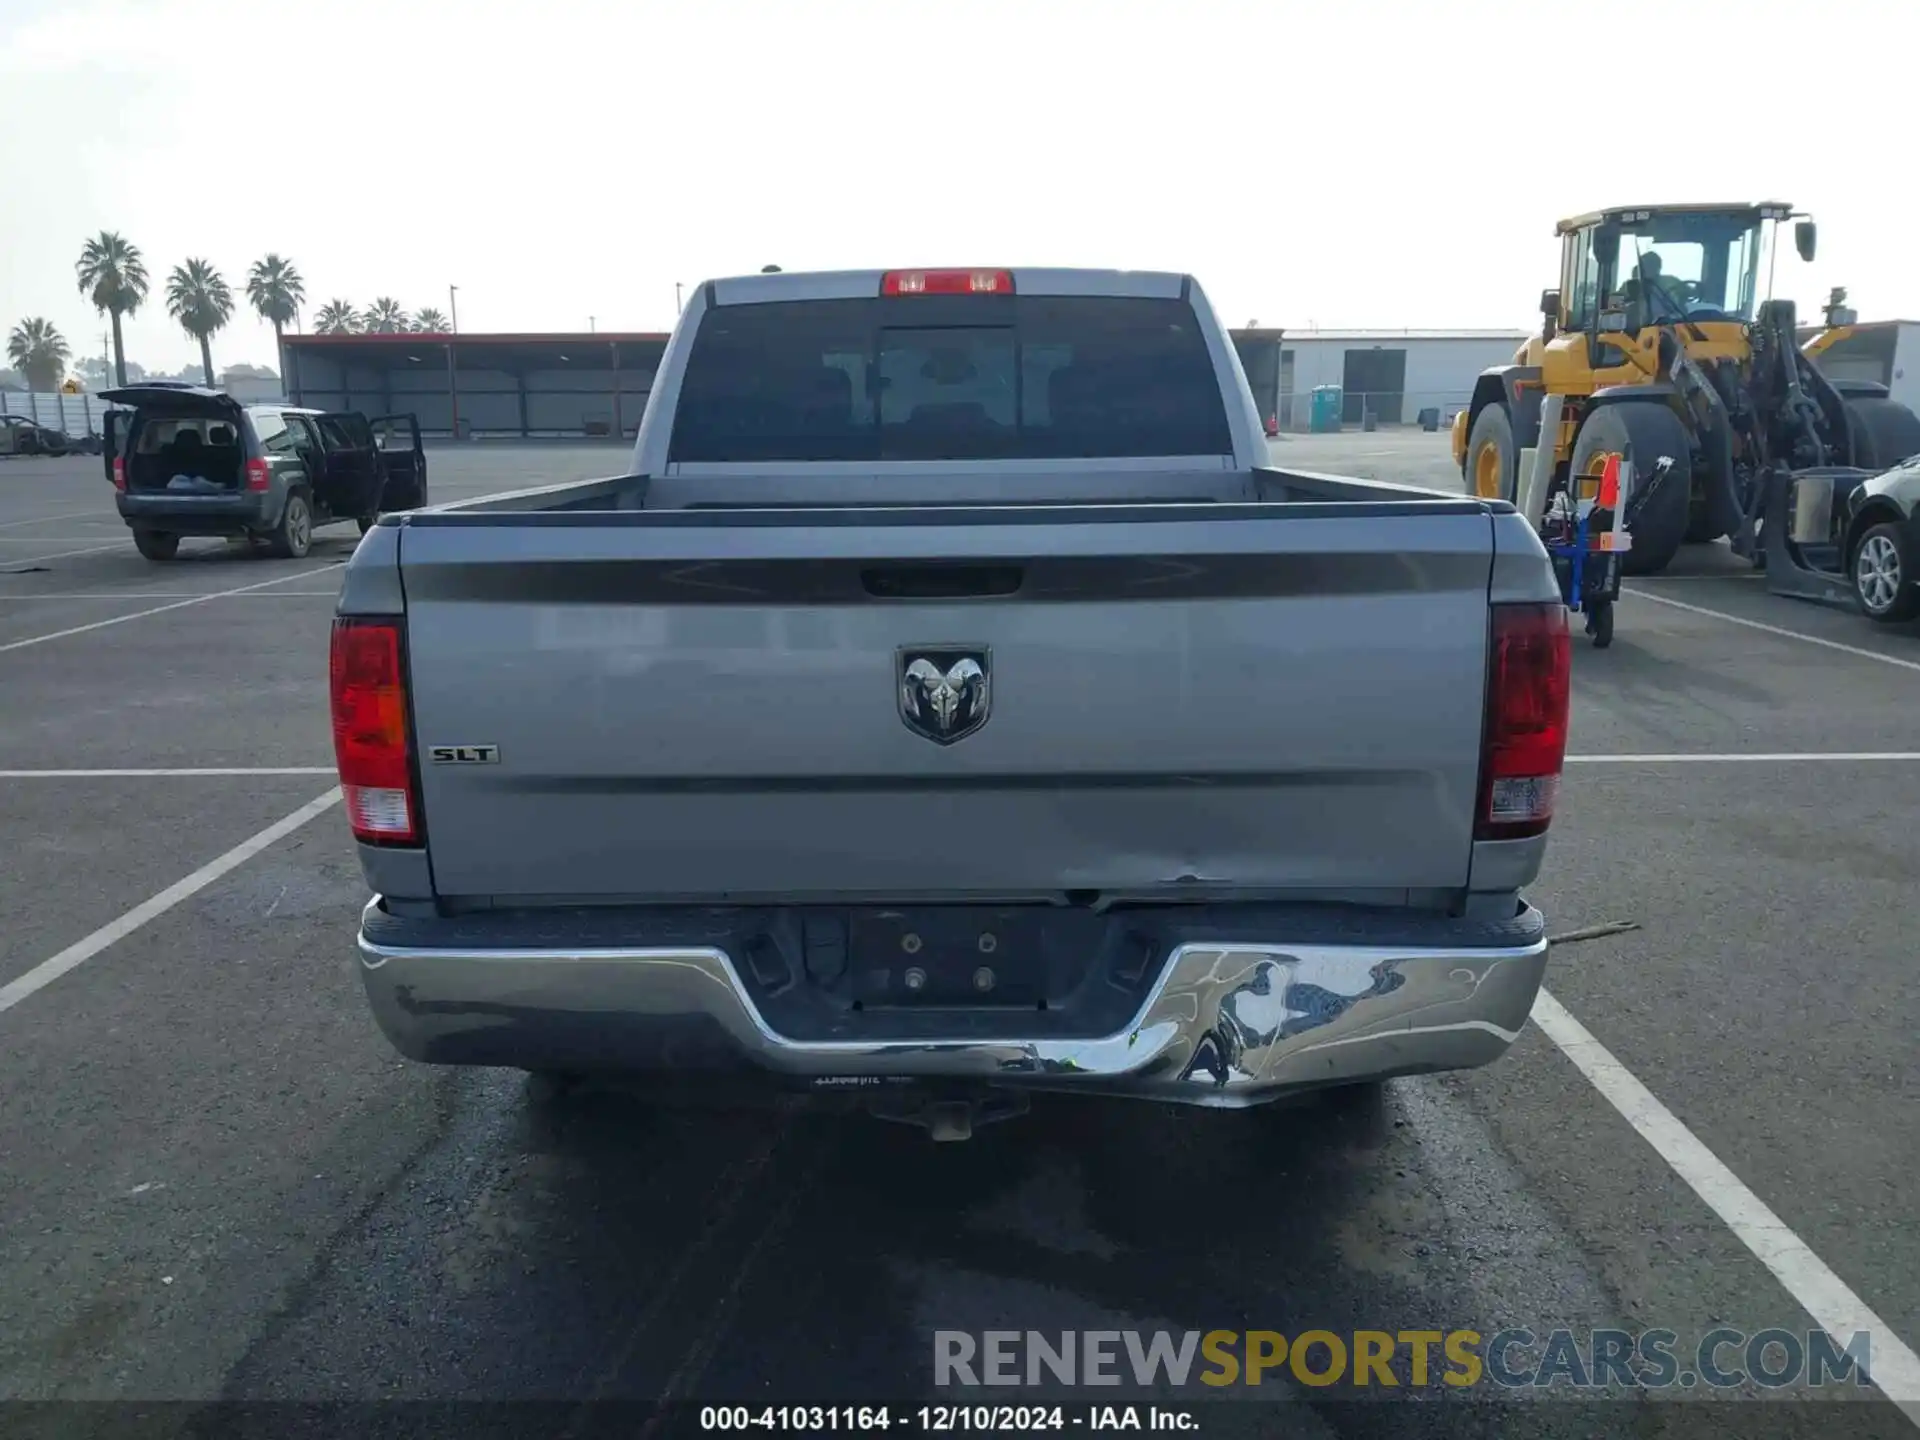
(1609, 484)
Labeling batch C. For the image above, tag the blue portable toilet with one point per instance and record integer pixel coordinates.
(1323, 412)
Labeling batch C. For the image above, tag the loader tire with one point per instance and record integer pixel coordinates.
(1659, 526)
(1492, 466)
(1885, 432)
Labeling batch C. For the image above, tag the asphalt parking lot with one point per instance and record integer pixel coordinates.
(218, 1184)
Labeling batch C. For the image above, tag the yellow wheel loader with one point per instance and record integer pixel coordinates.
(1660, 341)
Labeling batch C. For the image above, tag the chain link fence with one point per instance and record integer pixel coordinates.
(1311, 412)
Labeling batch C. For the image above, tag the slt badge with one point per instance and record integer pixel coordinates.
(945, 694)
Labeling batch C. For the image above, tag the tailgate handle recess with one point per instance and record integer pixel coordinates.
(940, 582)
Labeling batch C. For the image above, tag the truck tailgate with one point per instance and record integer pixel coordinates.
(695, 705)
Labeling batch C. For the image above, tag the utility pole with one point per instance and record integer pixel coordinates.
(590, 327)
(676, 297)
(453, 383)
(619, 425)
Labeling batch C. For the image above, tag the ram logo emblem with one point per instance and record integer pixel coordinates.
(945, 694)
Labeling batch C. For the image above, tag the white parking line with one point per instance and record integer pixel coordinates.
(63, 515)
(1727, 575)
(188, 773)
(10, 563)
(50, 539)
(163, 609)
(1821, 1293)
(1737, 757)
(167, 594)
(1779, 630)
(81, 951)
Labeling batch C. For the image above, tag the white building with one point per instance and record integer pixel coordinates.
(253, 389)
(1396, 373)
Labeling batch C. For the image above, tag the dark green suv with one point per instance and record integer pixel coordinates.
(191, 461)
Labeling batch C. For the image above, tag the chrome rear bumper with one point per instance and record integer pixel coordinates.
(1226, 1025)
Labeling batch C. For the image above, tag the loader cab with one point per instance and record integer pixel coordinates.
(1697, 271)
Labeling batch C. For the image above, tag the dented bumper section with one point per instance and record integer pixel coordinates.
(1227, 1022)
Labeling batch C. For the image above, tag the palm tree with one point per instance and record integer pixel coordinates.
(431, 322)
(198, 297)
(336, 317)
(39, 352)
(275, 290)
(385, 317)
(114, 277)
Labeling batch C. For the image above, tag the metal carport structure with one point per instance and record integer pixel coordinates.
(546, 385)
(550, 385)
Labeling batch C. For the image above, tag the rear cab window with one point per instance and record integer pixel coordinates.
(1000, 377)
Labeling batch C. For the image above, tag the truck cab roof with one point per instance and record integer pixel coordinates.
(973, 369)
(864, 284)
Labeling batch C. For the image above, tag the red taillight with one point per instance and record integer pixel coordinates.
(947, 282)
(369, 689)
(119, 473)
(1529, 684)
(257, 477)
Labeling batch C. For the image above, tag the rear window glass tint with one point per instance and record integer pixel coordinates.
(933, 378)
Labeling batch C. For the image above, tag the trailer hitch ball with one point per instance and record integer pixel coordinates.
(950, 1123)
(948, 1117)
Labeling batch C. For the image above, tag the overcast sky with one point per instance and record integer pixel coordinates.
(1339, 163)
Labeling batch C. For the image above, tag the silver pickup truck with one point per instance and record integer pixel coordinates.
(953, 702)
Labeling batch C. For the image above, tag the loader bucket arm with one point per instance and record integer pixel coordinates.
(1810, 426)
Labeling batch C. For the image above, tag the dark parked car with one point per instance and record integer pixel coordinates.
(190, 461)
(1883, 543)
(21, 436)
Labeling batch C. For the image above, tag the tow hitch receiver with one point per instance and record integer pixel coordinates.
(949, 1116)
